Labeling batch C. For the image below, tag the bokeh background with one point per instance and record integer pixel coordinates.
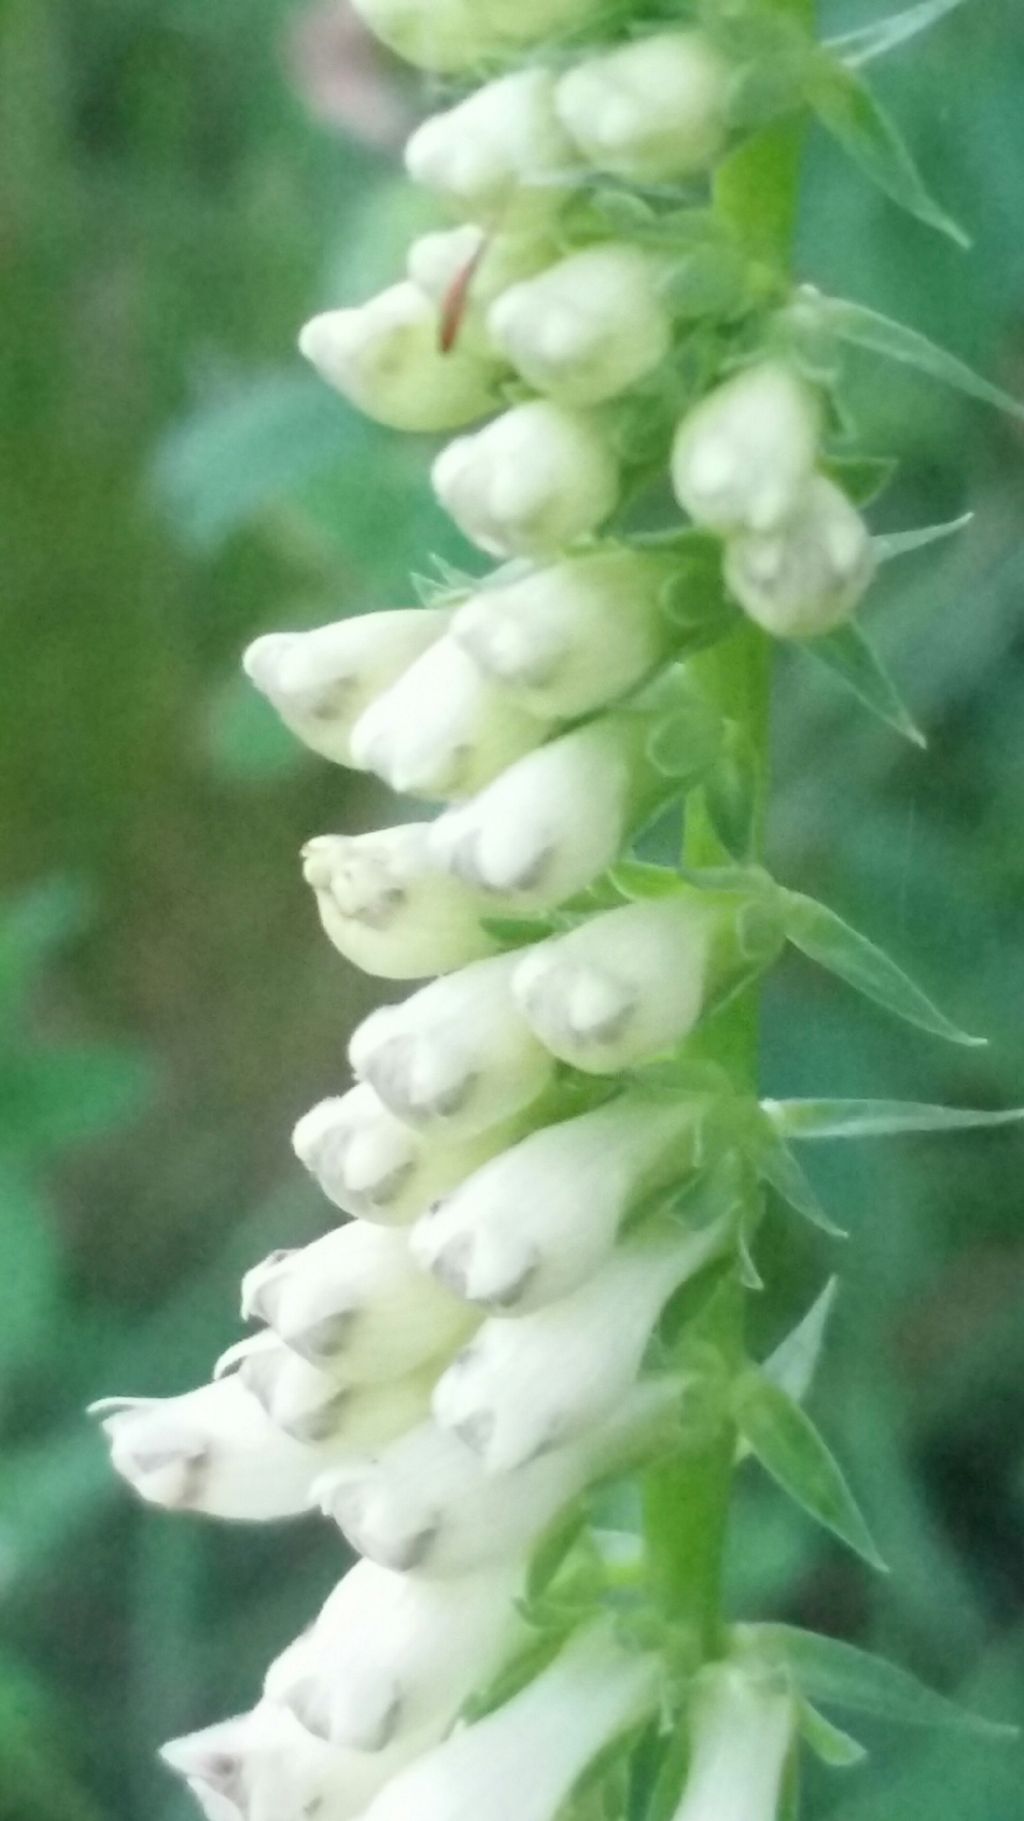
(182, 182)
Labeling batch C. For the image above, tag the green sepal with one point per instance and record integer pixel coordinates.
(685, 742)
(855, 118)
(780, 1169)
(518, 932)
(842, 1675)
(904, 543)
(829, 1743)
(731, 794)
(633, 879)
(823, 936)
(792, 1366)
(817, 1119)
(523, 1667)
(864, 328)
(850, 656)
(793, 1452)
(551, 1551)
(863, 478)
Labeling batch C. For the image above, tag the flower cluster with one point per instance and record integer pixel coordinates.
(529, 1184)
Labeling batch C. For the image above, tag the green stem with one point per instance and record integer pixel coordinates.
(686, 1501)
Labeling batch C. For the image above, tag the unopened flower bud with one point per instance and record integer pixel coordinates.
(806, 578)
(263, 1766)
(587, 328)
(494, 155)
(742, 1727)
(631, 983)
(388, 907)
(524, 1386)
(458, 34)
(372, 1165)
(653, 110)
(321, 681)
(426, 1502)
(356, 1303)
(538, 1220)
(443, 729)
(213, 1450)
(386, 357)
(314, 1405)
(551, 823)
(393, 1654)
(529, 483)
(462, 270)
(457, 1057)
(743, 458)
(535, 1745)
(567, 639)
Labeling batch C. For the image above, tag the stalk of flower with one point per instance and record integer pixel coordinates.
(542, 1217)
(523, 1386)
(391, 1655)
(320, 682)
(370, 1164)
(355, 1302)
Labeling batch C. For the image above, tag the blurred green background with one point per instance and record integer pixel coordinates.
(182, 182)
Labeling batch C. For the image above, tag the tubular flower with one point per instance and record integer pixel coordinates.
(321, 681)
(554, 1154)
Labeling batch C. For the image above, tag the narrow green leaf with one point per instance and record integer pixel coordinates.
(811, 1119)
(779, 1167)
(789, 1447)
(864, 328)
(848, 654)
(851, 113)
(904, 543)
(516, 932)
(862, 477)
(829, 1743)
(795, 1360)
(731, 794)
(825, 938)
(842, 1675)
(858, 48)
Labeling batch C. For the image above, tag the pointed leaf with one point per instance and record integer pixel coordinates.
(904, 543)
(848, 654)
(825, 938)
(855, 49)
(731, 794)
(842, 1675)
(862, 477)
(829, 1743)
(850, 112)
(864, 328)
(790, 1448)
(795, 1360)
(779, 1167)
(811, 1119)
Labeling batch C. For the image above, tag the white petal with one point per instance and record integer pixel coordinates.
(806, 578)
(652, 110)
(743, 458)
(321, 1406)
(588, 328)
(493, 152)
(742, 1727)
(386, 357)
(389, 909)
(531, 482)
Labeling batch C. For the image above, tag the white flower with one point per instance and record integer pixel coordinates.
(314, 1405)
(443, 729)
(491, 154)
(529, 483)
(462, 270)
(371, 1165)
(355, 1302)
(743, 458)
(539, 1219)
(393, 1654)
(653, 110)
(551, 823)
(213, 1450)
(386, 357)
(589, 327)
(623, 986)
(426, 1502)
(321, 681)
(389, 909)
(742, 1726)
(525, 1385)
(456, 1057)
(458, 34)
(807, 577)
(566, 639)
(522, 1760)
(263, 1766)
